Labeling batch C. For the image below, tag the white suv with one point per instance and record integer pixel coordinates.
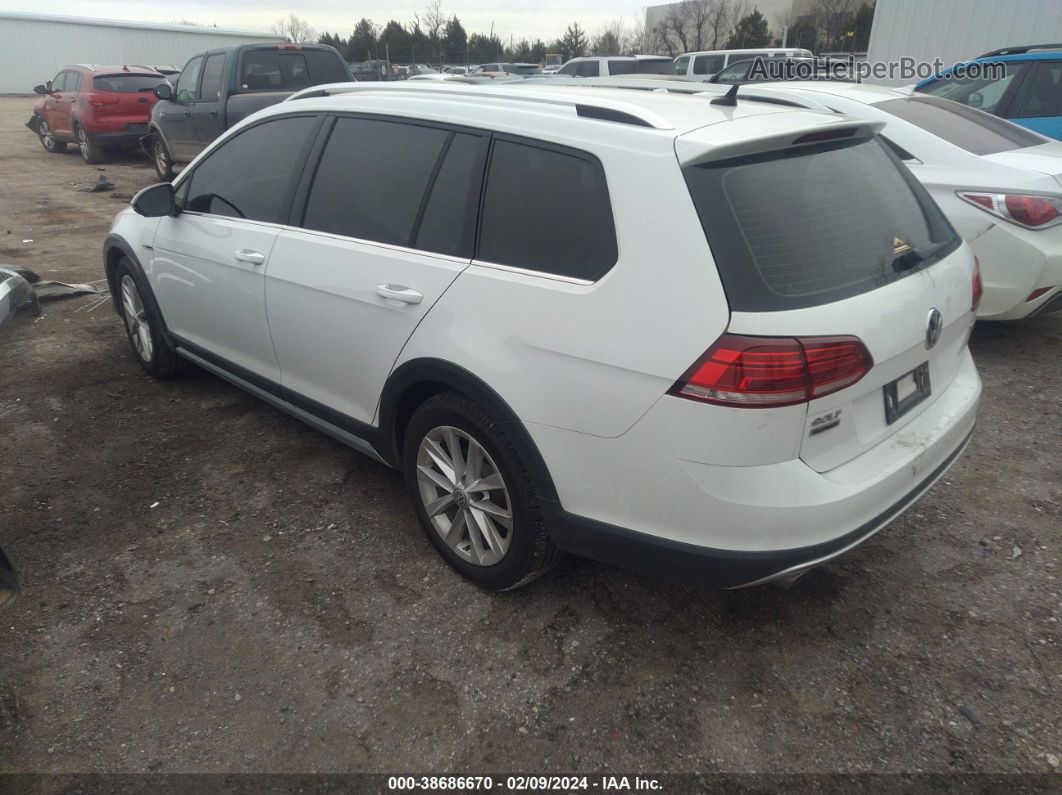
(721, 342)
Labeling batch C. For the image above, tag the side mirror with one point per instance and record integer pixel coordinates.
(163, 91)
(156, 201)
(975, 100)
(41, 89)
(8, 582)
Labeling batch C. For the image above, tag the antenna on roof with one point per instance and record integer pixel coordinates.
(730, 98)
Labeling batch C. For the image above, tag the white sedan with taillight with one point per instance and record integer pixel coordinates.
(999, 184)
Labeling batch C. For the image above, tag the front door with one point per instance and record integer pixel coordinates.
(175, 118)
(210, 261)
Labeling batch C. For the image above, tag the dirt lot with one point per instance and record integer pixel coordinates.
(212, 586)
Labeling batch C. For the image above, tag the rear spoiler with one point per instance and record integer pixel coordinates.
(755, 135)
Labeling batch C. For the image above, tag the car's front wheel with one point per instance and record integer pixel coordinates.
(48, 139)
(90, 152)
(160, 157)
(143, 324)
(472, 494)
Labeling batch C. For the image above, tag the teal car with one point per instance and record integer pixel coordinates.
(1028, 91)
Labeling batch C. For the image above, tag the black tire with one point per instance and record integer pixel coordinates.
(531, 552)
(161, 160)
(47, 139)
(91, 153)
(160, 360)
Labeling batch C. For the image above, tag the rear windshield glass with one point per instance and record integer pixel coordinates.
(812, 226)
(126, 83)
(522, 69)
(289, 70)
(975, 131)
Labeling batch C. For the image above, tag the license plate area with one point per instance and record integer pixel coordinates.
(906, 392)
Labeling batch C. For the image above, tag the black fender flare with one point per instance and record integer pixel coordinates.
(154, 131)
(415, 381)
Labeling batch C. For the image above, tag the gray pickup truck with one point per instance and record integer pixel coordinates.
(217, 89)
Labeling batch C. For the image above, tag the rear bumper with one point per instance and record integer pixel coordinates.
(128, 136)
(680, 562)
(641, 501)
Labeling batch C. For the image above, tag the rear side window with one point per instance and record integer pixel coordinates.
(708, 64)
(210, 88)
(448, 223)
(289, 70)
(1044, 95)
(974, 131)
(619, 67)
(126, 83)
(372, 180)
(653, 66)
(808, 227)
(249, 175)
(588, 69)
(547, 209)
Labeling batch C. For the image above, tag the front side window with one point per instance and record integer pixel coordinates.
(833, 236)
(682, 65)
(547, 210)
(372, 178)
(568, 69)
(250, 174)
(188, 82)
(981, 93)
(59, 82)
(976, 132)
(73, 82)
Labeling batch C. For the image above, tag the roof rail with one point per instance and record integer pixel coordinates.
(594, 107)
(757, 92)
(1021, 50)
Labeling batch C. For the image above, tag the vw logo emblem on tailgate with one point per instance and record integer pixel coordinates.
(934, 326)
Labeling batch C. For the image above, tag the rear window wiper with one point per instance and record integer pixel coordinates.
(916, 256)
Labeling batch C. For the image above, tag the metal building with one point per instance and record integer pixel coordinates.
(33, 47)
(957, 30)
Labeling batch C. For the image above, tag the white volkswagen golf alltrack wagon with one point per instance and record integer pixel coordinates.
(718, 341)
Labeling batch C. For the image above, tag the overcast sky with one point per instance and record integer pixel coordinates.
(544, 19)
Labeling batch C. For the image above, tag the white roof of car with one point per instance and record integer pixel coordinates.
(866, 93)
(649, 109)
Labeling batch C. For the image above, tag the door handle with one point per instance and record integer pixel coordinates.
(396, 292)
(253, 257)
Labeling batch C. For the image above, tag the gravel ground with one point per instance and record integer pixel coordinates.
(212, 586)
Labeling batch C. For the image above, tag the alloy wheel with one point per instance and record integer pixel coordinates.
(464, 495)
(162, 164)
(82, 142)
(45, 132)
(136, 319)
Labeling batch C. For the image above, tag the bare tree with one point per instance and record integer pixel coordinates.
(295, 29)
(610, 39)
(637, 38)
(677, 23)
(433, 21)
(830, 17)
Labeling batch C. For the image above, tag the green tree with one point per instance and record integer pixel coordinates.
(337, 41)
(396, 42)
(420, 43)
(483, 48)
(750, 31)
(455, 39)
(364, 42)
(606, 43)
(574, 42)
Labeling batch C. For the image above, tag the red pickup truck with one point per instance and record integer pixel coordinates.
(95, 107)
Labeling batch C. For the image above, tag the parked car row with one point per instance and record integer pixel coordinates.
(714, 385)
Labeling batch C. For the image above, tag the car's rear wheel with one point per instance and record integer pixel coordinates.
(90, 152)
(160, 157)
(143, 324)
(472, 494)
(48, 139)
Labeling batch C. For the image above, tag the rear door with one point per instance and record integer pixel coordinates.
(839, 239)
(386, 225)
(210, 261)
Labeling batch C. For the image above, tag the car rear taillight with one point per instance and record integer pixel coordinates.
(1038, 293)
(289, 47)
(1034, 212)
(766, 372)
(978, 286)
